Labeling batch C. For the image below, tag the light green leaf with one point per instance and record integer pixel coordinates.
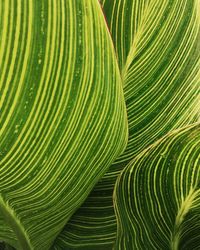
(157, 197)
(63, 119)
(158, 49)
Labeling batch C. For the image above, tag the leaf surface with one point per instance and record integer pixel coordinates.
(63, 118)
(157, 195)
(157, 45)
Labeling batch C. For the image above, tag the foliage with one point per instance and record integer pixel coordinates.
(99, 97)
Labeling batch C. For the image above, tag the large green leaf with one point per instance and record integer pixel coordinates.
(158, 49)
(157, 197)
(63, 119)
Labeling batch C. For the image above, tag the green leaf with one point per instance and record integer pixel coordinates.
(63, 118)
(7, 234)
(157, 197)
(158, 50)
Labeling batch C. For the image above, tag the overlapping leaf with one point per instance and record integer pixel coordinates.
(63, 118)
(157, 47)
(157, 197)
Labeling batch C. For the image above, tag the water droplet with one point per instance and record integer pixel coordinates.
(16, 129)
(39, 61)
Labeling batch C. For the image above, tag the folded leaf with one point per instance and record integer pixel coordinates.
(63, 119)
(157, 197)
(157, 47)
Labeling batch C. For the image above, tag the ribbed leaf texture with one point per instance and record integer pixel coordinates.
(157, 196)
(157, 46)
(76, 77)
(63, 118)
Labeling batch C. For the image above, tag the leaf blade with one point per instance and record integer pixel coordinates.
(63, 112)
(159, 189)
(158, 56)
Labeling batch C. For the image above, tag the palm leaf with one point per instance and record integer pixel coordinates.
(157, 48)
(157, 197)
(63, 119)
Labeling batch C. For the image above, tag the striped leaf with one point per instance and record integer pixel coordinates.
(158, 50)
(157, 197)
(63, 119)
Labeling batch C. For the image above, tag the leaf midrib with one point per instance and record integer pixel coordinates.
(184, 208)
(133, 48)
(11, 219)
